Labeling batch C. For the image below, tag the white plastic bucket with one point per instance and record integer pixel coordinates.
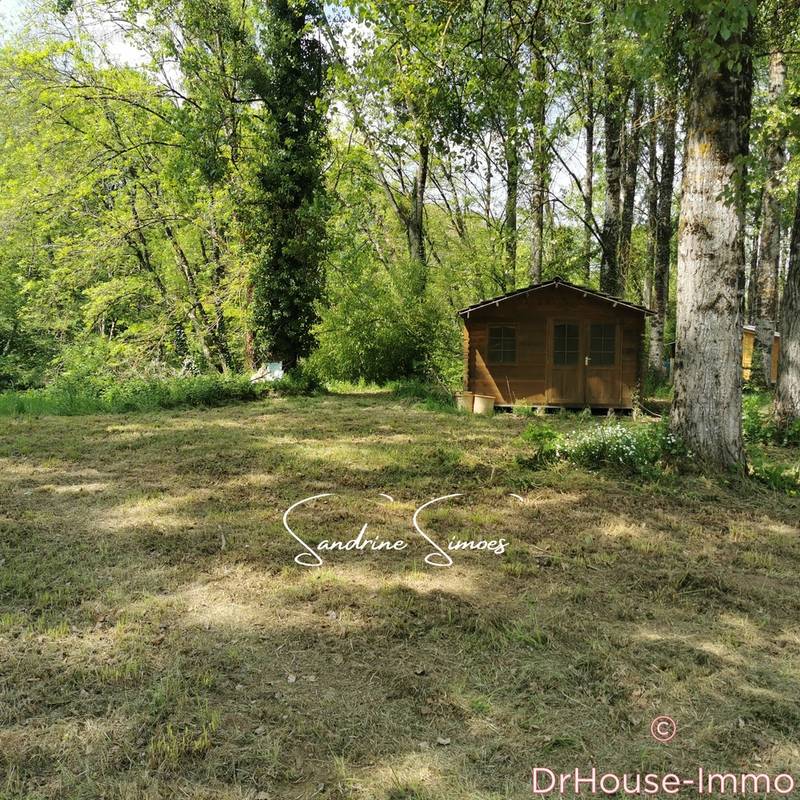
(483, 404)
(464, 400)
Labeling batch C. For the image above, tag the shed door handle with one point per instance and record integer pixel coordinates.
(586, 361)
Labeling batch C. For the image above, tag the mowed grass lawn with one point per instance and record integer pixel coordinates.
(157, 639)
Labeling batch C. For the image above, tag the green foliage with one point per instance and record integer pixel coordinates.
(542, 445)
(788, 435)
(648, 450)
(373, 325)
(138, 213)
(682, 33)
(433, 397)
(371, 332)
(772, 474)
(303, 379)
(82, 395)
(288, 210)
(634, 449)
(759, 425)
(110, 230)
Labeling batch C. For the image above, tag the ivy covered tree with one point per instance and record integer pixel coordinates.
(287, 209)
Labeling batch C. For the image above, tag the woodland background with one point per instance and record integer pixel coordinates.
(192, 187)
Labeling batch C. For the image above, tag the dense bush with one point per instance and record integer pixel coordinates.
(634, 449)
(302, 380)
(433, 396)
(646, 450)
(386, 339)
(789, 435)
(759, 425)
(70, 395)
(375, 324)
(772, 474)
(542, 445)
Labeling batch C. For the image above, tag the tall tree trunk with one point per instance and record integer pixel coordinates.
(632, 152)
(415, 223)
(510, 219)
(588, 175)
(787, 396)
(612, 105)
(707, 405)
(487, 196)
(750, 309)
(609, 268)
(209, 342)
(769, 246)
(249, 336)
(220, 326)
(652, 203)
(288, 275)
(612, 128)
(540, 167)
(663, 238)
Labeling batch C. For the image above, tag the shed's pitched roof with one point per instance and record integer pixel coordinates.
(558, 282)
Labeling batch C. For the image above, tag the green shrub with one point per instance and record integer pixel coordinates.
(671, 447)
(542, 445)
(70, 395)
(433, 396)
(771, 474)
(523, 409)
(788, 435)
(757, 423)
(371, 329)
(302, 380)
(656, 385)
(634, 449)
(649, 449)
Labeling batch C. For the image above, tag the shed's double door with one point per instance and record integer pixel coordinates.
(584, 363)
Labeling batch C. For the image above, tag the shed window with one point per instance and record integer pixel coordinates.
(502, 344)
(602, 345)
(565, 344)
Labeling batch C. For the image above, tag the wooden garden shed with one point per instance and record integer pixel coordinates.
(554, 344)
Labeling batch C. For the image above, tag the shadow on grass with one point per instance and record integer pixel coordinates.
(158, 639)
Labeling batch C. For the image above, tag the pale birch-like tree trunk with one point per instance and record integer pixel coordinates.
(613, 104)
(707, 405)
(609, 268)
(769, 244)
(787, 397)
(540, 168)
(588, 174)
(588, 196)
(750, 305)
(510, 218)
(633, 139)
(663, 237)
(652, 202)
(415, 220)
